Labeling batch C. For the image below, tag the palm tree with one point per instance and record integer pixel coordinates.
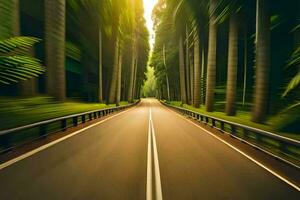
(197, 72)
(262, 61)
(211, 62)
(55, 48)
(100, 81)
(191, 66)
(132, 69)
(187, 66)
(134, 92)
(119, 83)
(232, 65)
(115, 72)
(167, 78)
(182, 72)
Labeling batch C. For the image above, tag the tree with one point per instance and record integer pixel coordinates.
(197, 72)
(100, 70)
(115, 72)
(211, 62)
(55, 48)
(232, 65)
(182, 72)
(262, 61)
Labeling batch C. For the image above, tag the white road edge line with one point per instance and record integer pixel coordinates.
(241, 152)
(149, 163)
(41, 148)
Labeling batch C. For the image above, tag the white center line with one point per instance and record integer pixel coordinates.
(152, 146)
(156, 167)
(149, 164)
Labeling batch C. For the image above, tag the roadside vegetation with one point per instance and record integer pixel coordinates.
(237, 60)
(16, 112)
(59, 57)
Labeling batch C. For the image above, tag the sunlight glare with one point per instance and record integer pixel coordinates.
(148, 6)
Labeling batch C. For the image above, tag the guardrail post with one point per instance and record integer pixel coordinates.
(5, 141)
(213, 122)
(283, 147)
(64, 125)
(245, 133)
(83, 118)
(75, 121)
(206, 120)
(233, 129)
(201, 118)
(222, 126)
(258, 138)
(95, 115)
(43, 130)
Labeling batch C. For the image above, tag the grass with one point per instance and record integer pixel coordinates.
(16, 112)
(242, 117)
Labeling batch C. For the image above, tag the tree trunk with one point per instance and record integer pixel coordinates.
(191, 66)
(211, 62)
(262, 61)
(115, 71)
(167, 78)
(29, 87)
(55, 48)
(245, 63)
(187, 67)
(132, 71)
(197, 73)
(182, 72)
(203, 81)
(100, 83)
(119, 83)
(232, 66)
(135, 76)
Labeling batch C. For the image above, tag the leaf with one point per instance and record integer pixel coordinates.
(17, 45)
(16, 68)
(292, 84)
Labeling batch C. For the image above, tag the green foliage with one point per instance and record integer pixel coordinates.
(73, 51)
(15, 65)
(149, 87)
(243, 117)
(294, 62)
(17, 45)
(21, 111)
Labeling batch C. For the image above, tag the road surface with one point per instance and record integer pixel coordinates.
(147, 152)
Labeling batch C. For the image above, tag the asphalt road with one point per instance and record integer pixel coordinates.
(147, 152)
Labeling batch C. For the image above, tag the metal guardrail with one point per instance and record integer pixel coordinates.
(43, 129)
(263, 139)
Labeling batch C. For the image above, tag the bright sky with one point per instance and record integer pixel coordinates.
(148, 6)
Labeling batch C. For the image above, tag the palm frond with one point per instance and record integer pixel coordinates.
(292, 84)
(16, 68)
(17, 45)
